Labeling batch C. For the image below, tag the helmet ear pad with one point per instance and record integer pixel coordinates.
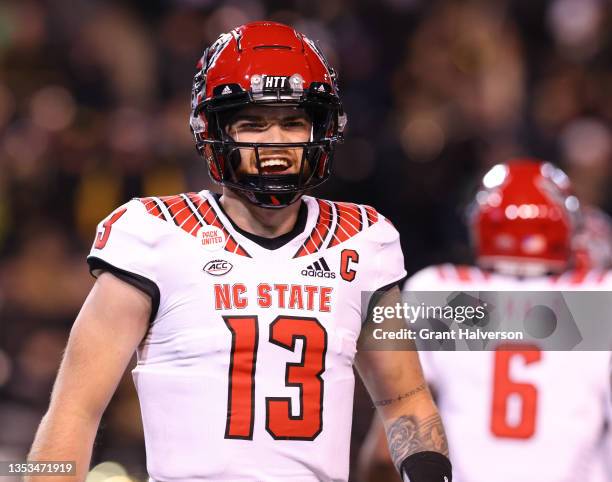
(214, 162)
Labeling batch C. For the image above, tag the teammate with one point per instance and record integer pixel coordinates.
(517, 413)
(245, 309)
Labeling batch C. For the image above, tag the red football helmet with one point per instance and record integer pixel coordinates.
(272, 64)
(524, 218)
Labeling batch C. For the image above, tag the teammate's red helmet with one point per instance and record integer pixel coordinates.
(524, 218)
(272, 64)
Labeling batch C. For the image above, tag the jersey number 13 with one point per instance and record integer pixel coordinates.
(305, 375)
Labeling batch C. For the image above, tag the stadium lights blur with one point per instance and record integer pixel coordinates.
(495, 177)
(533, 211)
(572, 204)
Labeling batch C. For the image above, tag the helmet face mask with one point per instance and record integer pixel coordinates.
(272, 66)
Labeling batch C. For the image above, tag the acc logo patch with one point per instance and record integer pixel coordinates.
(212, 238)
(218, 267)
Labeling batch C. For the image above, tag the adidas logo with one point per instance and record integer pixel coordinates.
(226, 90)
(319, 269)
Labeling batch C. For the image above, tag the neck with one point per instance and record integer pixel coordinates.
(267, 223)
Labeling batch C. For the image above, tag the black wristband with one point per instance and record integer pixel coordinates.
(426, 467)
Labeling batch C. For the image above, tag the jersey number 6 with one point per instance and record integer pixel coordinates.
(305, 375)
(505, 389)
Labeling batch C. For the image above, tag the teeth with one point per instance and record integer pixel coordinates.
(274, 162)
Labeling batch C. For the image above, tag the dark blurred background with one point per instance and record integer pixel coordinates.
(94, 102)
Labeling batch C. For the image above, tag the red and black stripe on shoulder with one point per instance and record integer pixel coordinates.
(181, 213)
(152, 207)
(371, 215)
(209, 216)
(349, 222)
(319, 232)
(461, 272)
(351, 219)
(190, 212)
(346, 220)
(581, 276)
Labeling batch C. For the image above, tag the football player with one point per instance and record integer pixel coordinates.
(245, 309)
(515, 412)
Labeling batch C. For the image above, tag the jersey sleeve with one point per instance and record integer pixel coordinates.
(383, 262)
(389, 259)
(124, 245)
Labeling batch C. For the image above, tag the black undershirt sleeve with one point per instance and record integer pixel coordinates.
(378, 294)
(97, 265)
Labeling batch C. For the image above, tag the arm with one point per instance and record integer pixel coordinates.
(395, 382)
(109, 327)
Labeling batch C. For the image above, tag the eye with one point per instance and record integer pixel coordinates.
(296, 123)
(251, 125)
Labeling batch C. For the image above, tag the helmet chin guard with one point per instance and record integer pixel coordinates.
(268, 64)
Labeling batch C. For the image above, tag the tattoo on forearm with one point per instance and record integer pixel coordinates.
(409, 434)
(388, 401)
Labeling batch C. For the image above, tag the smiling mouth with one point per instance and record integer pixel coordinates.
(274, 165)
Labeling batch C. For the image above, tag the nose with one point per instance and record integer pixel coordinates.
(276, 133)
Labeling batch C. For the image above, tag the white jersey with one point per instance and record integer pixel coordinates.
(529, 416)
(246, 371)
